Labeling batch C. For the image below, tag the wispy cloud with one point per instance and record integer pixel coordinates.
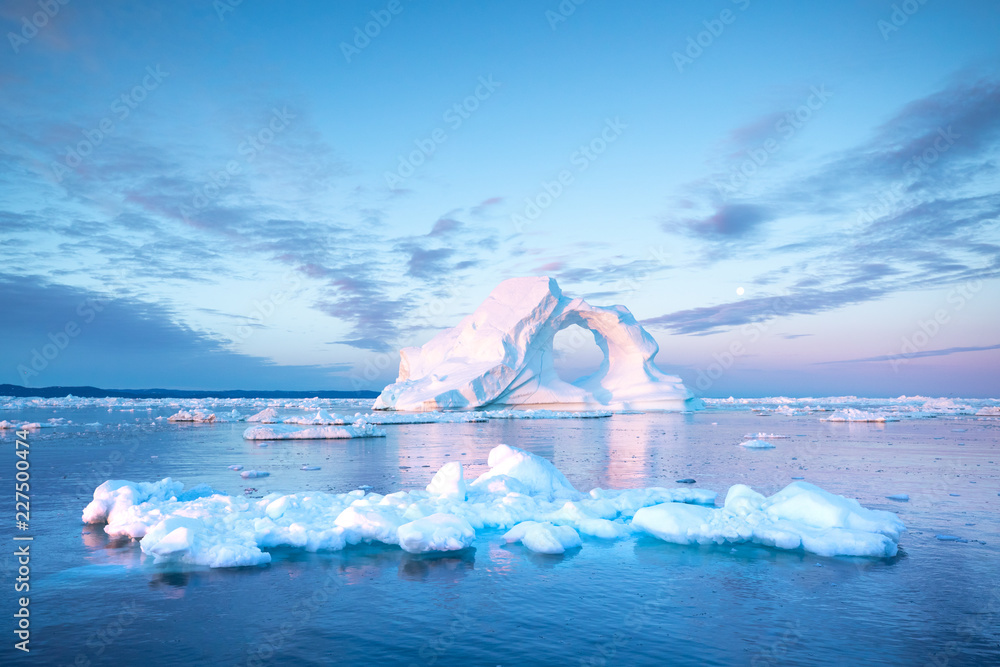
(912, 355)
(912, 207)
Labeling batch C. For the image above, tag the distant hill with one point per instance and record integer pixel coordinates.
(95, 392)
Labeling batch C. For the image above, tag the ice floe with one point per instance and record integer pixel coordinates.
(196, 416)
(757, 444)
(359, 429)
(800, 516)
(522, 494)
(854, 415)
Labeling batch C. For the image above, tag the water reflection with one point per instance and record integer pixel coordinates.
(449, 567)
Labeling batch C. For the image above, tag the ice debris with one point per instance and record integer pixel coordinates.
(522, 494)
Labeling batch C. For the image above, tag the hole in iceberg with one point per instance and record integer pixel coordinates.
(575, 353)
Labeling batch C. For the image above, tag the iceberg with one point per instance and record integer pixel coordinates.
(501, 356)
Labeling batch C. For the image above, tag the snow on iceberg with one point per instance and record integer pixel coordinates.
(800, 516)
(501, 356)
(360, 429)
(224, 531)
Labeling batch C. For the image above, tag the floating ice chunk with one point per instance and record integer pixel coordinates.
(590, 518)
(538, 475)
(950, 538)
(764, 436)
(236, 467)
(114, 498)
(437, 532)
(448, 482)
(899, 497)
(799, 516)
(30, 426)
(360, 429)
(198, 416)
(855, 415)
(308, 467)
(543, 537)
(812, 506)
(756, 444)
(265, 416)
(253, 474)
(321, 418)
(201, 526)
(682, 524)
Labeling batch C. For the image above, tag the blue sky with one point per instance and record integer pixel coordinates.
(793, 199)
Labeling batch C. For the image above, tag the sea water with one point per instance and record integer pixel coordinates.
(96, 600)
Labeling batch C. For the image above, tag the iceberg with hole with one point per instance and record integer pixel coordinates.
(522, 494)
(501, 356)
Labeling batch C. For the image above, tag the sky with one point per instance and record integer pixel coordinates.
(792, 199)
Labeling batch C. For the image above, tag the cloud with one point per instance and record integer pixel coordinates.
(124, 343)
(728, 221)
(913, 206)
(445, 227)
(428, 264)
(711, 319)
(913, 355)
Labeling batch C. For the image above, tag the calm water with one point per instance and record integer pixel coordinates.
(635, 602)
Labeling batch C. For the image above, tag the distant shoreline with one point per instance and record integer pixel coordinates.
(96, 392)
